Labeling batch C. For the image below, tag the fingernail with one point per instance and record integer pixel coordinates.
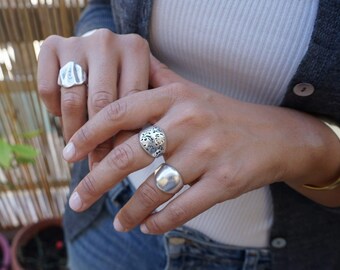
(118, 226)
(69, 151)
(75, 201)
(144, 229)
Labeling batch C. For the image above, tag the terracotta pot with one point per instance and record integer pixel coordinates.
(27, 233)
(6, 254)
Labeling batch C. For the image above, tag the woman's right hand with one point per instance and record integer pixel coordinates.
(220, 146)
(116, 66)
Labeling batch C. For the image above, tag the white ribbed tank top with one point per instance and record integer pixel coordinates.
(248, 50)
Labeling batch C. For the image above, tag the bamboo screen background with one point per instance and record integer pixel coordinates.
(32, 192)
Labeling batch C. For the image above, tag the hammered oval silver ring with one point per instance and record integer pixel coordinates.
(168, 179)
(153, 141)
(71, 74)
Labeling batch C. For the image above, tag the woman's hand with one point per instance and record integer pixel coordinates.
(222, 148)
(116, 66)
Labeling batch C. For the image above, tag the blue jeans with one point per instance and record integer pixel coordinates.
(101, 247)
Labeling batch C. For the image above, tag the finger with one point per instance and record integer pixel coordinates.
(121, 161)
(102, 82)
(194, 201)
(148, 197)
(134, 71)
(161, 75)
(102, 90)
(73, 103)
(134, 75)
(47, 75)
(123, 114)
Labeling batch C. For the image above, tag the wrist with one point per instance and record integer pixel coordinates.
(335, 183)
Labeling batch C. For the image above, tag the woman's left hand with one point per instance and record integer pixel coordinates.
(221, 147)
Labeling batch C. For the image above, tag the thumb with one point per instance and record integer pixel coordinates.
(161, 75)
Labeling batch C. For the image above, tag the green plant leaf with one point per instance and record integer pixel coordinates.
(6, 154)
(32, 134)
(24, 153)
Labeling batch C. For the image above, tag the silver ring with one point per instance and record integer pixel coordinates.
(153, 141)
(168, 179)
(71, 74)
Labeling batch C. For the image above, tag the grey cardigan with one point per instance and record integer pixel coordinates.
(304, 235)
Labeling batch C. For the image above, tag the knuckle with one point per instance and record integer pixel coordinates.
(116, 111)
(104, 39)
(208, 147)
(83, 135)
(89, 186)
(193, 109)
(148, 195)
(45, 88)
(155, 226)
(51, 42)
(127, 218)
(121, 157)
(173, 94)
(228, 181)
(101, 99)
(71, 102)
(178, 86)
(179, 91)
(73, 42)
(103, 34)
(73, 45)
(159, 73)
(191, 115)
(135, 43)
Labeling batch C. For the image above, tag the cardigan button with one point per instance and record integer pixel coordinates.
(303, 89)
(279, 242)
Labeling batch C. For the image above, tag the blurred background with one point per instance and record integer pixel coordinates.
(33, 177)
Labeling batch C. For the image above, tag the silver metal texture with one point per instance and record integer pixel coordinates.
(153, 141)
(71, 74)
(168, 179)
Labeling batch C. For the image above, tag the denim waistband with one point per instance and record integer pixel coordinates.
(187, 248)
(188, 235)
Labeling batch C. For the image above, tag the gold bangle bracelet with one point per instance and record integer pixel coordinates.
(336, 129)
(332, 186)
